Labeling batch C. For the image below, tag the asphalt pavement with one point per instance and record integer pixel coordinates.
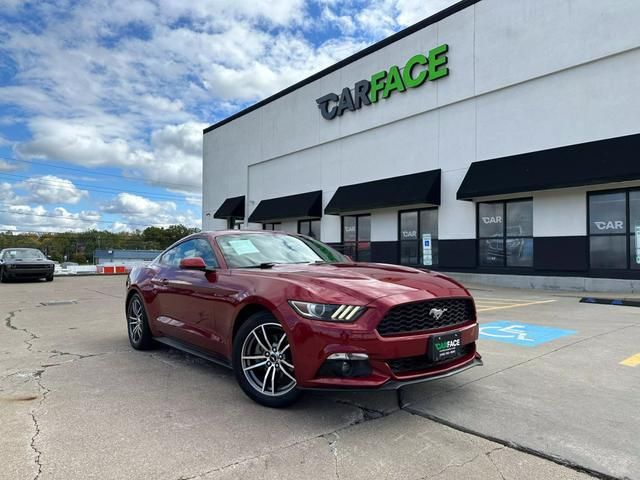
(555, 399)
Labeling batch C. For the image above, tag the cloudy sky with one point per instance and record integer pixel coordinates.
(103, 102)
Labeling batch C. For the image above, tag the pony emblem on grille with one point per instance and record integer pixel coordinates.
(437, 312)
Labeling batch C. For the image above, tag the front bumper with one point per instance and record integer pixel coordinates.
(476, 361)
(312, 342)
(28, 272)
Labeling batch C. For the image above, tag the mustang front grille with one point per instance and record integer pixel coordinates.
(427, 315)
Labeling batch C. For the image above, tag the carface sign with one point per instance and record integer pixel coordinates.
(416, 71)
(610, 225)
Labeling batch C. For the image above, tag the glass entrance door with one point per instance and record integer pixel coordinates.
(356, 237)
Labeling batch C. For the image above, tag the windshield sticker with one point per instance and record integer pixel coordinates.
(243, 247)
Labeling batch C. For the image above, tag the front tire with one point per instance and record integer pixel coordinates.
(3, 276)
(262, 362)
(137, 324)
(49, 278)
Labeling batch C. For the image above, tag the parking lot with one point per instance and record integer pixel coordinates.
(558, 397)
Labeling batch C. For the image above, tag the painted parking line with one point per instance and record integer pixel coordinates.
(522, 334)
(510, 300)
(632, 361)
(486, 307)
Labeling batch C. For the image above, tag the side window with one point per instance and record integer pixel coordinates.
(197, 247)
(169, 257)
(203, 250)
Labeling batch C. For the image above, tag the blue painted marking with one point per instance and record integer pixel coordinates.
(617, 302)
(523, 334)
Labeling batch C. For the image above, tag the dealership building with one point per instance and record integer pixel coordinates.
(495, 138)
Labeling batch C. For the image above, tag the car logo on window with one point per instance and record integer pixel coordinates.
(436, 313)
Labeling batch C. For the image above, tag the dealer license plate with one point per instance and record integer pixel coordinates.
(444, 347)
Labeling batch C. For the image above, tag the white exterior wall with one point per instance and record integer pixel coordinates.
(525, 75)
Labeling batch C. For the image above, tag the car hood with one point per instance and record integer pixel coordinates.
(364, 282)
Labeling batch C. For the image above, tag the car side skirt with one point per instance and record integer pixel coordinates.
(178, 345)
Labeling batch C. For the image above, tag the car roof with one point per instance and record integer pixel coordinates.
(220, 233)
(212, 234)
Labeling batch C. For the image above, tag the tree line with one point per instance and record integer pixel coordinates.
(79, 247)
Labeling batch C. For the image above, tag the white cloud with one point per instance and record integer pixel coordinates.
(195, 201)
(130, 204)
(131, 84)
(48, 189)
(74, 141)
(5, 166)
(137, 211)
(412, 11)
(7, 195)
(175, 156)
(126, 104)
(39, 219)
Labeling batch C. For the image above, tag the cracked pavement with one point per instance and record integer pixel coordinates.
(76, 402)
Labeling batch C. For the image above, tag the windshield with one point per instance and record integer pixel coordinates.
(252, 250)
(327, 253)
(23, 254)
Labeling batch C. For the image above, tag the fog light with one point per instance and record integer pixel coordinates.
(346, 365)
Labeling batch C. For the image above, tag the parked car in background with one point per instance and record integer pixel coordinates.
(27, 263)
(288, 313)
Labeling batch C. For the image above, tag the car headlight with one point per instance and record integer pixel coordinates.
(327, 312)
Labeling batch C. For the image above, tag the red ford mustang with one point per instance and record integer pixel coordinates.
(288, 313)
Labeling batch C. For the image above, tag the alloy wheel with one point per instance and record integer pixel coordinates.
(266, 360)
(135, 319)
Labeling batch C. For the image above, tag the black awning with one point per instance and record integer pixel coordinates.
(602, 161)
(231, 208)
(417, 188)
(302, 205)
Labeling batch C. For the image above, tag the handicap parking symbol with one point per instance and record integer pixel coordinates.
(523, 334)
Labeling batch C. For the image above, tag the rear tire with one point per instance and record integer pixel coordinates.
(262, 362)
(137, 324)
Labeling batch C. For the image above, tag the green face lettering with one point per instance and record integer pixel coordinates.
(407, 73)
(376, 85)
(393, 82)
(437, 59)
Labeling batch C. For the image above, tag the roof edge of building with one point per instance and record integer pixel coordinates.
(436, 17)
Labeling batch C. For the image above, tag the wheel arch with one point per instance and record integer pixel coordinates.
(245, 312)
(132, 291)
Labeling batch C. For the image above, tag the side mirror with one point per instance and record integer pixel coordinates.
(193, 263)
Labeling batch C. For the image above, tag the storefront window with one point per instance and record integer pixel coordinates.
(310, 228)
(505, 233)
(234, 223)
(607, 213)
(614, 230)
(272, 226)
(419, 237)
(356, 237)
(634, 229)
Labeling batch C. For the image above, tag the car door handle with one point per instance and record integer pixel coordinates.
(162, 282)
